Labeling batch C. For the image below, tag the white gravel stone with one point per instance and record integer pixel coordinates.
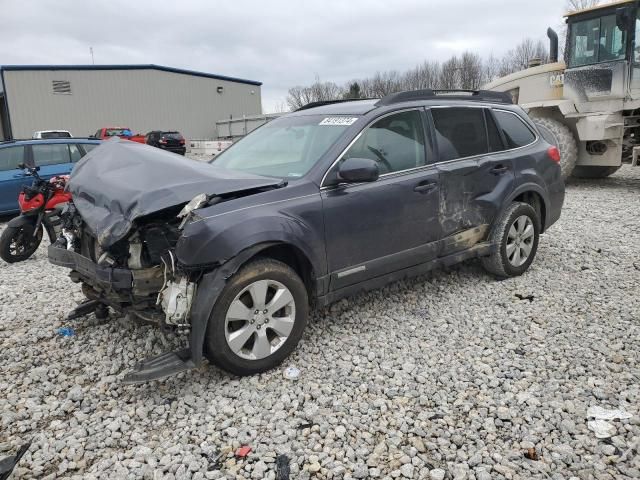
(441, 376)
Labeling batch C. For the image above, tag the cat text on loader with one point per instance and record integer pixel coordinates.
(588, 105)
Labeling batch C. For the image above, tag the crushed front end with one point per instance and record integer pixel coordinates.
(123, 228)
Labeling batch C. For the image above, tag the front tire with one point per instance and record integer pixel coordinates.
(258, 319)
(558, 134)
(515, 239)
(587, 171)
(19, 243)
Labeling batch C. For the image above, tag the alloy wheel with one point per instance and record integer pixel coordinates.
(520, 240)
(260, 319)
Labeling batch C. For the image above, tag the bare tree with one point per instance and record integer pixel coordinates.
(317, 92)
(470, 71)
(450, 74)
(575, 5)
(490, 69)
(425, 75)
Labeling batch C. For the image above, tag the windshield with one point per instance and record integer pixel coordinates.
(285, 147)
(596, 40)
(113, 132)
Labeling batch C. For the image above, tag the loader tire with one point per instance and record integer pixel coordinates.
(558, 134)
(584, 171)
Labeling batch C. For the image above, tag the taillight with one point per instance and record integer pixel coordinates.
(182, 141)
(554, 154)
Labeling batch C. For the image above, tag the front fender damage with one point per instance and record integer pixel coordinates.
(209, 288)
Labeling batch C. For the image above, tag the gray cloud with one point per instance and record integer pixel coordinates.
(281, 43)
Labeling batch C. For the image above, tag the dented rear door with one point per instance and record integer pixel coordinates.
(475, 176)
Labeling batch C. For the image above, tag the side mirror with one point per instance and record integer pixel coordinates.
(622, 18)
(356, 170)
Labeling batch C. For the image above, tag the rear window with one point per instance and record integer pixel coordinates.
(55, 135)
(10, 157)
(460, 132)
(515, 131)
(172, 135)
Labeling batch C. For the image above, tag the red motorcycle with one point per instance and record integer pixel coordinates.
(40, 206)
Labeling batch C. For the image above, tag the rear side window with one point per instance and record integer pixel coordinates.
(516, 132)
(10, 158)
(89, 146)
(460, 132)
(495, 142)
(76, 154)
(52, 154)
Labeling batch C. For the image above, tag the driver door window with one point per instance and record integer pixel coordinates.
(396, 142)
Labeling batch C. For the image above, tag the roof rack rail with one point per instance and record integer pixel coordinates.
(429, 94)
(329, 102)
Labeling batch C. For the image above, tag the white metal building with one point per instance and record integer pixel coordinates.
(84, 98)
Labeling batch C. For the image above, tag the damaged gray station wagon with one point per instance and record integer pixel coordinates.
(321, 203)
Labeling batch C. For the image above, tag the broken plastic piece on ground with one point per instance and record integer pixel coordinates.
(66, 332)
(291, 373)
(600, 413)
(531, 454)
(85, 308)
(159, 367)
(282, 467)
(598, 423)
(7, 464)
(213, 460)
(243, 451)
(302, 426)
(525, 297)
(601, 428)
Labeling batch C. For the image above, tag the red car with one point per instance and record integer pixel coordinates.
(122, 132)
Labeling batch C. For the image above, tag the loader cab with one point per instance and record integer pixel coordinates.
(602, 56)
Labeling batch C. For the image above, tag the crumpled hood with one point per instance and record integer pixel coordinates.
(120, 181)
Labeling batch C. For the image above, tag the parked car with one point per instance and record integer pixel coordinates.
(105, 133)
(172, 141)
(52, 134)
(53, 156)
(313, 206)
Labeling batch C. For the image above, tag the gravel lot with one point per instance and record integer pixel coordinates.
(448, 376)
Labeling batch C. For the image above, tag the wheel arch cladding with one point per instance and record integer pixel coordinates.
(533, 195)
(536, 201)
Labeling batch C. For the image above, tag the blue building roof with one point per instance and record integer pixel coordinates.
(127, 67)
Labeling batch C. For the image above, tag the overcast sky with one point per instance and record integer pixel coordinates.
(280, 43)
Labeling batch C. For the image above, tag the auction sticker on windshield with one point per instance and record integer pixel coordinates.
(339, 121)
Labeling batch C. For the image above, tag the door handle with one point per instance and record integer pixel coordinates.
(499, 170)
(18, 175)
(425, 187)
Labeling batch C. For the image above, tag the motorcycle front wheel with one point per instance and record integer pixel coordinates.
(19, 243)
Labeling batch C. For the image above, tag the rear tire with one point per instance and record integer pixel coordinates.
(514, 237)
(586, 171)
(558, 134)
(258, 318)
(18, 243)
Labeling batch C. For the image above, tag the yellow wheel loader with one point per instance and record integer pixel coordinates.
(588, 105)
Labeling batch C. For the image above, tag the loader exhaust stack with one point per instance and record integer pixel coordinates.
(553, 45)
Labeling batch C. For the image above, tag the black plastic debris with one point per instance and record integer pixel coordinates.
(7, 464)
(214, 461)
(282, 467)
(525, 297)
(302, 426)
